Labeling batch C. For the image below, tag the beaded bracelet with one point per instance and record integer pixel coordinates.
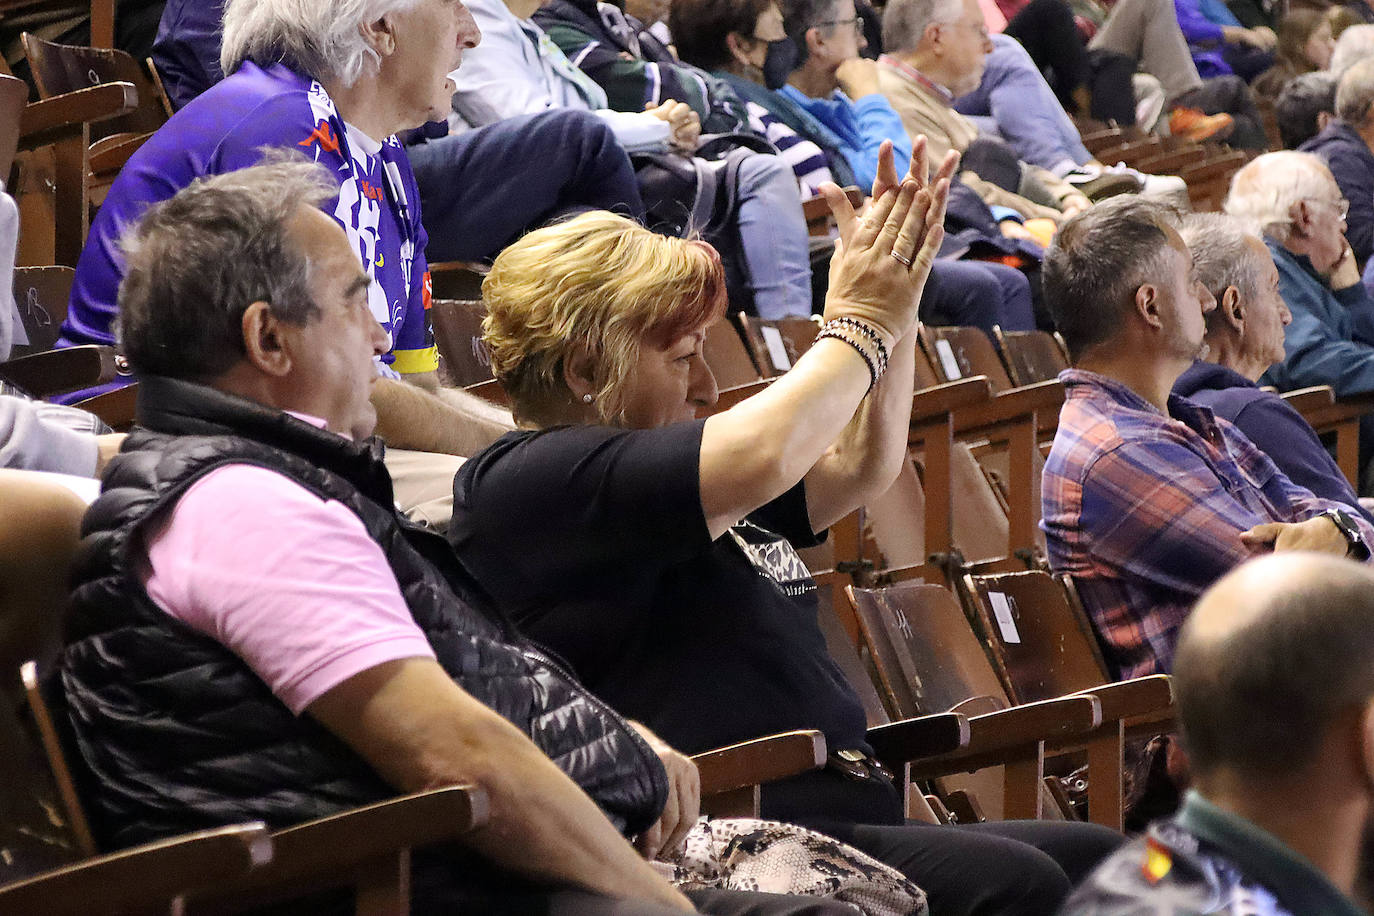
(864, 339)
(870, 332)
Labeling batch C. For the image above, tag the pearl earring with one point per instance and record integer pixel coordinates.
(587, 399)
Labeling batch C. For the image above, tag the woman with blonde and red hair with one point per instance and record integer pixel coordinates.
(656, 552)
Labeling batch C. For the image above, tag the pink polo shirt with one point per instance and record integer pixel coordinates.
(289, 582)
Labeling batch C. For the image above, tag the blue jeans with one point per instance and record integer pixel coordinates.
(772, 234)
(977, 294)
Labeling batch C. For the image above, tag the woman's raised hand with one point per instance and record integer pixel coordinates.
(882, 260)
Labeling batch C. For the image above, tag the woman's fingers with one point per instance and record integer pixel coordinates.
(912, 229)
(887, 170)
(918, 167)
(873, 222)
(947, 167)
(897, 222)
(846, 220)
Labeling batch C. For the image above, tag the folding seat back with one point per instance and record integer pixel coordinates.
(728, 357)
(777, 343)
(40, 298)
(14, 94)
(59, 69)
(458, 335)
(1041, 639)
(1032, 356)
(962, 352)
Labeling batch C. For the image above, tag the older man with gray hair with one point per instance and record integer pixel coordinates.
(1292, 199)
(1244, 338)
(1344, 145)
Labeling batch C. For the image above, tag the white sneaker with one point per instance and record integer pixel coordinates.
(1170, 186)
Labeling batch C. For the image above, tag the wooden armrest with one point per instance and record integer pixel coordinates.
(1349, 407)
(1042, 721)
(56, 371)
(338, 850)
(761, 760)
(926, 736)
(363, 833)
(111, 156)
(1043, 398)
(729, 397)
(930, 403)
(490, 390)
(1136, 698)
(815, 209)
(1305, 399)
(154, 873)
(1013, 733)
(57, 118)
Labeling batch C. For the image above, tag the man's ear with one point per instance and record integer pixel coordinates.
(815, 44)
(1324, 118)
(264, 344)
(1300, 212)
(1232, 309)
(579, 372)
(1147, 305)
(379, 35)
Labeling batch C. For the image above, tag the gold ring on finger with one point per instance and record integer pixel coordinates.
(901, 259)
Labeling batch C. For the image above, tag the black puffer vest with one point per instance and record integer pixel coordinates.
(178, 734)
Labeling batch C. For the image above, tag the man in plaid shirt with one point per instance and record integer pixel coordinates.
(1148, 497)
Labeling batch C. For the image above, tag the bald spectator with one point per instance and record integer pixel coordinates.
(1295, 202)
(1244, 338)
(1148, 498)
(1280, 802)
(1344, 145)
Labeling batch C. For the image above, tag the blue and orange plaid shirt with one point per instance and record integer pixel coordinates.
(1145, 511)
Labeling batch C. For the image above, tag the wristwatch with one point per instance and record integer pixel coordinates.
(1345, 524)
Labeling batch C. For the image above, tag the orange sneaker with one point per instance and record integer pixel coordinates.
(1192, 124)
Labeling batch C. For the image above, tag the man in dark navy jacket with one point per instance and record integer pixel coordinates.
(1345, 146)
(1245, 334)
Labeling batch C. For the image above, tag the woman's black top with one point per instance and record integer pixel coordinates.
(593, 539)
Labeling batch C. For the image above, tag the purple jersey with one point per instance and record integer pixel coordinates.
(225, 129)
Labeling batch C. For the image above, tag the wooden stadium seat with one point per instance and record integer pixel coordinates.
(55, 135)
(929, 656)
(728, 357)
(934, 664)
(1338, 419)
(777, 343)
(59, 69)
(1032, 356)
(40, 294)
(963, 352)
(1044, 646)
(458, 335)
(14, 95)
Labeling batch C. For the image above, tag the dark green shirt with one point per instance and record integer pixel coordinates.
(1206, 861)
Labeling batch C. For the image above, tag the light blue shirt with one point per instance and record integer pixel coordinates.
(861, 127)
